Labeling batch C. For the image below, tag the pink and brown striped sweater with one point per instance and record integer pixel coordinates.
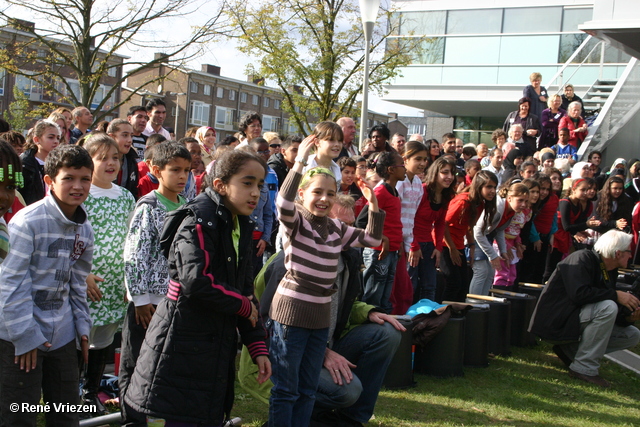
(312, 246)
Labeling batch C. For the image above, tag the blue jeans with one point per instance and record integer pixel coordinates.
(370, 347)
(296, 360)
(378, 278)
(423, 276)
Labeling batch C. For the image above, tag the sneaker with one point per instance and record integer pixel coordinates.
(562, 355)
(593, 379)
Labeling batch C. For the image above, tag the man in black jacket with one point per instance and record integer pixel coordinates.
(582, 313)
(283, 161)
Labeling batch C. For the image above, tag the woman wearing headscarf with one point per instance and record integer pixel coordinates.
(511, 163)
(206, 137)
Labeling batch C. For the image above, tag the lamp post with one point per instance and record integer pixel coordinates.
(175, 124)
(369, 13)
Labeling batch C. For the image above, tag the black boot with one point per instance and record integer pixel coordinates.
(93, 376)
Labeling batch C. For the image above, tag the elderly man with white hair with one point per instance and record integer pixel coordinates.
(582, 313)
(516, 136)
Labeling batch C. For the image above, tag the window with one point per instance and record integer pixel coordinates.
(220, 92)
(2, 74)
(224, 118)
(255, 99)
(207, 90)
(276, 104)
(574, 17)
(29, 87)
(265, 102)
(419, 23)
(270, 123)
(199, 113)
(243, 97)
(112, 71)
(232, 95)
(532, 20)
(480, 21)
(173, 111)
(432, 51)
(194, 87)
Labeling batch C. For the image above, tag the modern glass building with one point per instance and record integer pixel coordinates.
(476, 57)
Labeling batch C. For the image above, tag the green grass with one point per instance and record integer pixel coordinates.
(530, 388)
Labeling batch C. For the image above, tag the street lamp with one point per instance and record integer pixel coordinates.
(177, 95)
(369, 13)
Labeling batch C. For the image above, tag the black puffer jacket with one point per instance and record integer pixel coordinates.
(33, 189)
(186, 368)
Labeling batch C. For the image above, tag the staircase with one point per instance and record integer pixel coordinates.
(597, 95)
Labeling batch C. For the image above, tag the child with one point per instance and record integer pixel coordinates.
(574, 217)
(563, 149)
(143, 165)
(43, 299)
(410, 192)
(614, 207)
(506, 275)
(380, 261)
(44, 137)
(528, 170)
(511, 200)
(122, 131)
(471, 167)
(146, 268)
(428, 230)
(147, 182)
(348, 186)
(10, 180)
(197, 169)
(264, 213)
(108, 208)
(186, 368)
(361, 167)
(545, 225)
(326, 149)
(16, 139)
(301, 307)
(464, 211)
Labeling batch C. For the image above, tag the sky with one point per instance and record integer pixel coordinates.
(222, 53)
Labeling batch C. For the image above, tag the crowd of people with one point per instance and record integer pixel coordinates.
(187, 244)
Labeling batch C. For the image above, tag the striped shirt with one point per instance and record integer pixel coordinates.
(312, 247)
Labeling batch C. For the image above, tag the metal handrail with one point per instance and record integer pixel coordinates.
(595, 127)
(571, 58)
(569, 62)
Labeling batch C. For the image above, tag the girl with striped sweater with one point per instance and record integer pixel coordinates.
(301, 308)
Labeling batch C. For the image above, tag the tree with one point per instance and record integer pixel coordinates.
(19, 111)
(81, 39)
(314, 51)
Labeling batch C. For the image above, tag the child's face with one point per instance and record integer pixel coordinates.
(361, 170)
(545, 189)
(472, 171)
(196, 154)
(616, 189)
(173, 176)
(563, 137)
(398, 170)
(7, 194)
(417, 163)
(348, 175)
(534, 195)
(518, 161)
(319, 196)
(581, 192)
(518, 203)
(242, 193)
(262, 150)
(123, 138)
(489, 191)
(556, 182)
(529, 172)
(591, 192)
(106, 165)
(445, 177)
(326, 148)
(49, 140)
(548, 163)
(70, 188)
(291, 152)
(343, 214)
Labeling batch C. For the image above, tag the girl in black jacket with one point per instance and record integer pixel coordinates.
(186, 368)
(614, 207)
(44, 137)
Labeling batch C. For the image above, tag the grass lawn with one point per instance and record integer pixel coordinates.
(530, 388)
